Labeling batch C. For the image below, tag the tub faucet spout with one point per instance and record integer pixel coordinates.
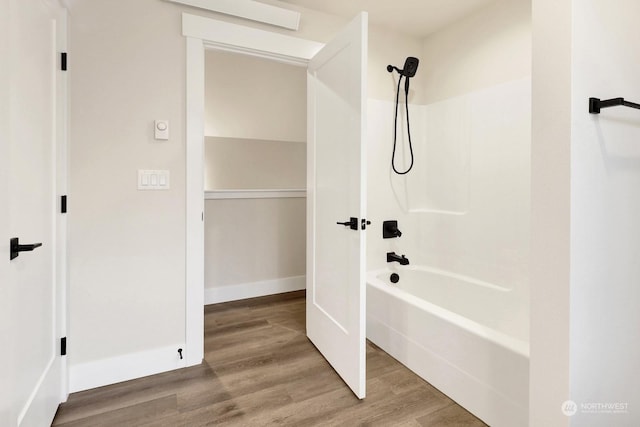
(393, 257)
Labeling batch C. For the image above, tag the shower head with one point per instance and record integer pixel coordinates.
(409, 70)
(410, 67)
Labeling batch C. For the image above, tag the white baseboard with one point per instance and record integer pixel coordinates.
(85, 376)
(214, 295)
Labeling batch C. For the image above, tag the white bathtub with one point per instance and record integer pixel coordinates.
(465, 337)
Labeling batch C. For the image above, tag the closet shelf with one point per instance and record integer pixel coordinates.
(236, 139)
(276, 193)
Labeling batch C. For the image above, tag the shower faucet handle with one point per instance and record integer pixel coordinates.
(390, 229)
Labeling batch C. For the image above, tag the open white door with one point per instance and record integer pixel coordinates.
(336, 193)
(27, 190)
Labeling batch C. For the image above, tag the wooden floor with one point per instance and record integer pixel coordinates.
(261, 370)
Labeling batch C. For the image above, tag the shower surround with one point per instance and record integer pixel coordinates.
(459, 316)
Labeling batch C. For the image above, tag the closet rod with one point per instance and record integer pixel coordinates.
(595, 104)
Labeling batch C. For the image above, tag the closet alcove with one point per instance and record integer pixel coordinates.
(255, 177)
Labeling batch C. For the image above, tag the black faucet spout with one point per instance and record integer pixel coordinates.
(401, 259)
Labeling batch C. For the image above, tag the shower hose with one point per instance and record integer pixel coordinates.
(395, 126)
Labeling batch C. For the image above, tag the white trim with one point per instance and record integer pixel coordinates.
(62, 188)
(214, 295)
(255, 194)
(251, 10)
(85, 376)
(364, 96)
(200, 32)
(238, 38)
(194, 262)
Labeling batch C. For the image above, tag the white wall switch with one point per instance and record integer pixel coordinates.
(153, 179)
(162, 129)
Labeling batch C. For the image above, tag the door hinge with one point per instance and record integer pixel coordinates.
(63, 346)
(63, 61)
(63, 204)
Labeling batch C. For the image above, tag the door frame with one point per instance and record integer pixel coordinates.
(210, 34)
(61, 188)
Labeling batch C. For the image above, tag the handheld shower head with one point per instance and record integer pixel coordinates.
(410, 67)
(409, 70)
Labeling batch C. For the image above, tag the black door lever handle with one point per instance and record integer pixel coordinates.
(16, 247)
(352, 223)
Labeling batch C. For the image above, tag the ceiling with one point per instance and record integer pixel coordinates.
(417, 18)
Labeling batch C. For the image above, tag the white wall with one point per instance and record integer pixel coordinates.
(485, 49)
(550, 212)
(239, 163)
(605, 207)
(248, 97)
(126, 246)
(254, 247)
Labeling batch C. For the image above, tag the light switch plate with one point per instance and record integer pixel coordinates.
(161, 129)
(153, 179)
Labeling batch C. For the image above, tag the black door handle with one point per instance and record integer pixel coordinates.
(16, 247)
(352, 223)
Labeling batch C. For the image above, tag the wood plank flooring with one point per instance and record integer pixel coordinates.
(261, 370)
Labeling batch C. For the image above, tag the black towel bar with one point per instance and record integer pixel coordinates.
(595, 104)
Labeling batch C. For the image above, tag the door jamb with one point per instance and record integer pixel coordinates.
(61, 188)
(201, 34)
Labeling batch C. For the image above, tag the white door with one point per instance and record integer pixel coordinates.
(336, 193)
(27, 192)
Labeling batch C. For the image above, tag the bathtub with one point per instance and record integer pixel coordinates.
(467, 338)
